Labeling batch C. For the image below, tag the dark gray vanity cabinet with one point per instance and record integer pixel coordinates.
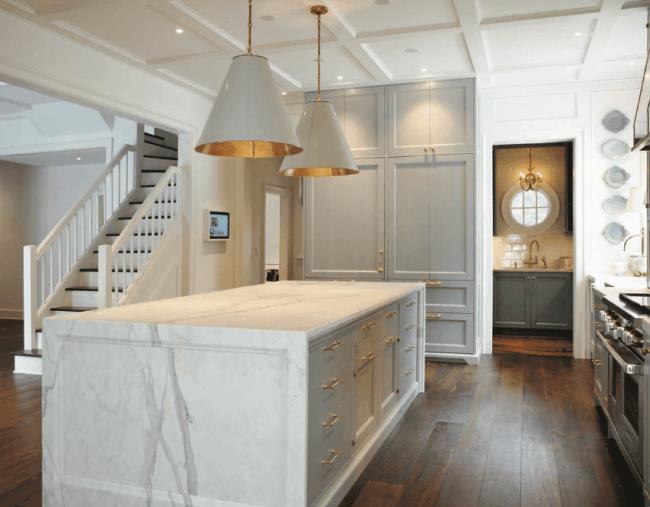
(533, 300)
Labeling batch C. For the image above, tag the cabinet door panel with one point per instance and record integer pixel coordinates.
(452, 116)
(336, 97)
(511, 301)
(552, 301)
(450, 333)
(365, 121)
(451, 297)
(345, 224)
(409, 225)
(408, 119)
(451, 211)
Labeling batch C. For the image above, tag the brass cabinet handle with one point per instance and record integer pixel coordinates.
(409, 327)
(380, 260)
(332, 346)
(434, 316)
(426, 150)
(332, 384)
(391, 315)
(432, 150)
(332, 421)
(365, 361)
(391, 340)
(369, 326)
(334, 454)
(409, 305)
(645, 351)
(433, 283)
(596, 362)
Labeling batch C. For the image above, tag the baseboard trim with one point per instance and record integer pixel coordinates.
(28, 364)
(11, 314)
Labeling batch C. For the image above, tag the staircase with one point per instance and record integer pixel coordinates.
(105, 247)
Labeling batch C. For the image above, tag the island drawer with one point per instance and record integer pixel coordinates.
(408, 310)
(450, 296)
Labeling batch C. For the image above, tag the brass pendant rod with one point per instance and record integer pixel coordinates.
(249, 49)
(318, 60)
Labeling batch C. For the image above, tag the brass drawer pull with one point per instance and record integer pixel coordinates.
(409, 327)
(391, 340)
(391, 315)
(434, 316)
(365, 361)
(597, 362)
(334, 455)
(409, 305)
(369, 326)
(332, 346)
(332, 384)
(332, 421)
(433, 283)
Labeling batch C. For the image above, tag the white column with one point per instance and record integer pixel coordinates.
(30, 288)
(105, 271)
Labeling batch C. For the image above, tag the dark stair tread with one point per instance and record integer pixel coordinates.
(28, 353)
(134, 203)
(148, 141)
(75, 309)
(127, 251)
(158, 157)
(96, 270)
(148, 218)
(151, 186)
(154, 135)
(38, 330)
(116, 234)
(90, 289)
(157, 171)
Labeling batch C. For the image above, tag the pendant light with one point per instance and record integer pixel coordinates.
(326, 151)
(248, 119)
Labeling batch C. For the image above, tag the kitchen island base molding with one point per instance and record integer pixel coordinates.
(271, 395)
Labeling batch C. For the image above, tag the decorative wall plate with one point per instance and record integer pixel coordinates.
(615, 233)
(616, 177)
(615, 121)
(614, 205)
(615, 149)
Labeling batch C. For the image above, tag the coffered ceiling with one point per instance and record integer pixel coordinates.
(503, 42)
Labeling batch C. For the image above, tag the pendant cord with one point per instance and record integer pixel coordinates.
(318, 61)
(249, 49)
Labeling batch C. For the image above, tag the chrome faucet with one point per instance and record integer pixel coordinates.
(530, 260)
(642, 236)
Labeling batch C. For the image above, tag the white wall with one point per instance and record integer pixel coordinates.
(272, 231)
(554, 113)
(12, 220)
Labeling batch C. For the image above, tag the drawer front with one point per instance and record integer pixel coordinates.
(450, 297)
(390, 322)
(407, 372)
(449, 333)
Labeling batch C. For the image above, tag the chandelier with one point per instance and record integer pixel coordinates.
(530, 180)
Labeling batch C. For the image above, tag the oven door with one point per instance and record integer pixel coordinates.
(625, 400)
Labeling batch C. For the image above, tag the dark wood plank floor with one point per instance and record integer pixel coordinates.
(533, 345)
(518, 430)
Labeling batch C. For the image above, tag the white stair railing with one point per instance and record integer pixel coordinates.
(47, 266)
(129, 253)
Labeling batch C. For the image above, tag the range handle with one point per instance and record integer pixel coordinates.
(625, 359)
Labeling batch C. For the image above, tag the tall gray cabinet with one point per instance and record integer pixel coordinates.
(409, 214)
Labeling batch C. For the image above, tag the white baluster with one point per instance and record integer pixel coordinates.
(30, 295)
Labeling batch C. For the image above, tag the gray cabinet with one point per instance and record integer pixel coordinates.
(450, 333)
(345, 224)
(533, 300)
(362, 114)
(434, 115)
(431, 218)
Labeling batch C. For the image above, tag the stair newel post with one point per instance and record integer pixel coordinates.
(30, 295)
(105, 270)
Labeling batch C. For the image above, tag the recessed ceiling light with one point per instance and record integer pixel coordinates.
(284, 93)
(179, 31)
(631, 64)
(78, 158)
(382, 2)
(267, 17)
(577, 34)
(339, 78)
(411, 50)
(423, 69)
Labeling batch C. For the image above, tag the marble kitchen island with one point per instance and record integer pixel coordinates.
(274, 395)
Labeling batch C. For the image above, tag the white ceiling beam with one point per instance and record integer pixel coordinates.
(336, 23)
(468, 15)
(520, 19)
(599, 37)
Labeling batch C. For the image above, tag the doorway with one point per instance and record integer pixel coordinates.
(533, 248)
(277, 233)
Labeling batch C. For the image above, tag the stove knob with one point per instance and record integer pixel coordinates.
(609, 325)
(603, 316)
(617, 333)
(628, 338)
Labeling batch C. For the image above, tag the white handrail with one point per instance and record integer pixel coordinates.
(119, 262)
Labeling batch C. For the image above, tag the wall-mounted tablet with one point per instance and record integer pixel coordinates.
(216, 225)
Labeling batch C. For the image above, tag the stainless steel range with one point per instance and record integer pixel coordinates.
(619, 365)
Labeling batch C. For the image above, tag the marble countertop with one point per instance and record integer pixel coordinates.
(303, 306)
(532, 270)
(622, 282)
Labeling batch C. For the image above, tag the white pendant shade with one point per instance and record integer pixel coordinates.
(248, 119)
(326, 151)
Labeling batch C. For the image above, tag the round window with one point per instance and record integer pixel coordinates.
(530, 211)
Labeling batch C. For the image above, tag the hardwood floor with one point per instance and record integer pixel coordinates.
(533, 345)
(517, 430)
